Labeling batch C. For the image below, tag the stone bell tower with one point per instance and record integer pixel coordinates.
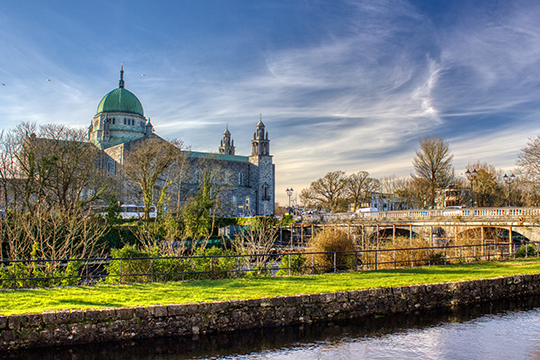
(264, 170)
(227, 144)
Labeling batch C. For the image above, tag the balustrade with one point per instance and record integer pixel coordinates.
(513, 213)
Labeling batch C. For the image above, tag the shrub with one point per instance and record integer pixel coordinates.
(329, 242)
(297, 265)
(398, 255)
(21, 275)
(260, 270)
(529, 251)
(205, 266)
(130, 271)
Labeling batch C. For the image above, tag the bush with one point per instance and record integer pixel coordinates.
(398, 256)
(204, 266)
(529, 251)
(260, 270)
(330, 242)
(297, 265)
(130, 271)
(20, 275)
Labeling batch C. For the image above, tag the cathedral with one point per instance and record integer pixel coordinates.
(249, 181)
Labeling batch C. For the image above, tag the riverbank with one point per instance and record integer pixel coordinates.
(21, 301)
(346, 295)
(67, 327)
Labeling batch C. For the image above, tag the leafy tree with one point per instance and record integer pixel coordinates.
(197, 213)
(113, 211)
(433, 165)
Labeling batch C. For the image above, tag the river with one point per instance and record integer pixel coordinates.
(502, 330)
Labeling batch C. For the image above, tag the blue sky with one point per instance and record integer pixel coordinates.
(341, 85)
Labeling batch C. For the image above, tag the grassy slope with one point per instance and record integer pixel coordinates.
(104, 296)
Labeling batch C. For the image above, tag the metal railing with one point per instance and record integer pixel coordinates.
(66, 272)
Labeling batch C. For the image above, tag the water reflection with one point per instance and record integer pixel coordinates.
(508, 329)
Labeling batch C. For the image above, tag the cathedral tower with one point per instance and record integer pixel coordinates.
(260, 145)
(264, 173)
(227, 144)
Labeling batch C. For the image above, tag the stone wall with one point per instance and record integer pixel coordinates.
(86, 326)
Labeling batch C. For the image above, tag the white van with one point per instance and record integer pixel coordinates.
(136, 211)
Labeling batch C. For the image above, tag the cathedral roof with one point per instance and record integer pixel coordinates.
(120, 100)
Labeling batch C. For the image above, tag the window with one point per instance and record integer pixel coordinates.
(241, 179)
(111, 167)
(113, 120)
(125, 123)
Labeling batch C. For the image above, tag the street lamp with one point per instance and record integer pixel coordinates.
(471, 175)
(289, 194)
(509, 180)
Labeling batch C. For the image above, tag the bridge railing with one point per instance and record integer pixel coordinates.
(469, 213)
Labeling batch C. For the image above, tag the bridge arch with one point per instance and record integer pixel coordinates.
(494, 233)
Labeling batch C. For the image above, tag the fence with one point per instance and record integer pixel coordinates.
(65, 272)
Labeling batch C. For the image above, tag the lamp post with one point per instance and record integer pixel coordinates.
(471, 175)
(509, 180)
(289, 194)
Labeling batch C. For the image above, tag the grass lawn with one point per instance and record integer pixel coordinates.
(105, 296)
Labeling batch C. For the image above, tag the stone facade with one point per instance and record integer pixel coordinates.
(66, 327)
(250, 181)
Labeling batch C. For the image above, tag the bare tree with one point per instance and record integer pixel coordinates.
(359, 187)
(528, 163)
(395, 189)
(488, 190)
(154, 164)
(327, 191)
(433, 164)
(55, 168)
(418, 193)
(259, 237)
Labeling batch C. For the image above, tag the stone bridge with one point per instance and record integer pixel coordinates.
(437, 227)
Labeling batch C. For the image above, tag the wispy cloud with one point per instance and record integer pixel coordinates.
(351, 86)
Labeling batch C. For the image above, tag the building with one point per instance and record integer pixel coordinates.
(452, 196)
(249, 187)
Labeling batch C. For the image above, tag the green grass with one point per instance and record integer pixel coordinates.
(104, 296)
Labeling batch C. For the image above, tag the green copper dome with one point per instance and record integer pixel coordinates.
(120, 100)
